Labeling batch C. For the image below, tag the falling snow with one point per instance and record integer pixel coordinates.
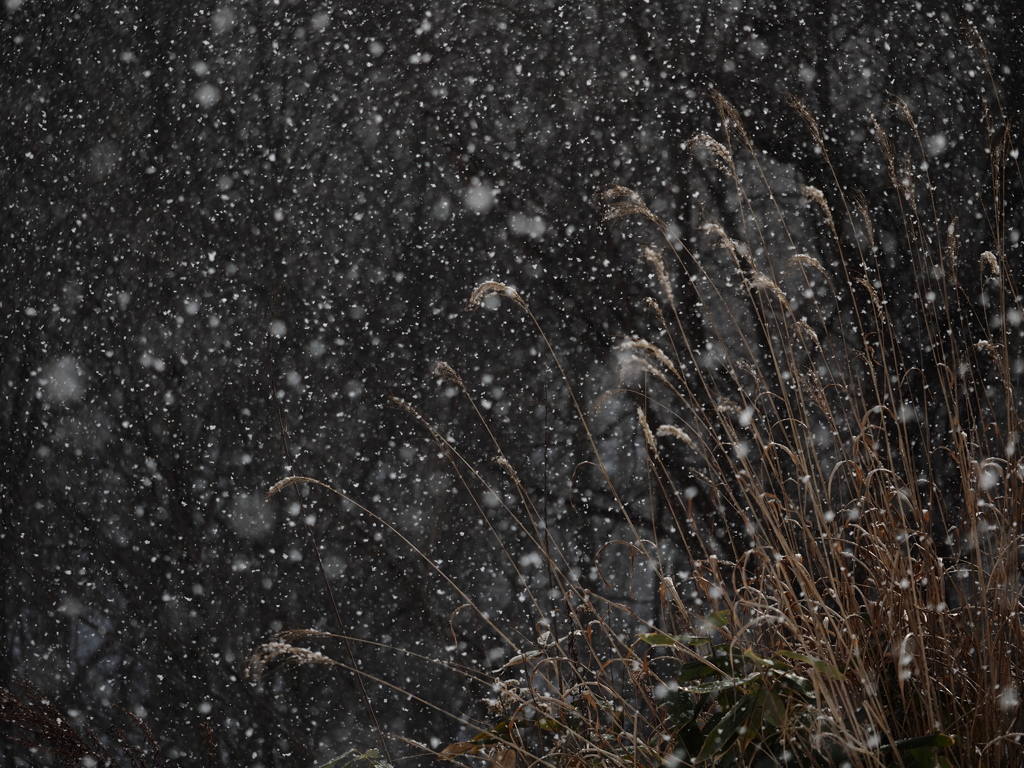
(237, 238)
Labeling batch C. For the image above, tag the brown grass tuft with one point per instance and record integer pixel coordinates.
(277, 655)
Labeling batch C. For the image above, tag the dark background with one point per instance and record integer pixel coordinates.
(229, 231)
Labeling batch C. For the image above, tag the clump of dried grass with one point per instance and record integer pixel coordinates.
(845, 490)
(36, 724)
(278, 655)
(866, 491)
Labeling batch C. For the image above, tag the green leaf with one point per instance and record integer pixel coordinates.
(757, 712)
(796, 656)
(679, 708)
(549, 724)
(829, 670)
(718, 619)
(933, 740)
(724, 684)
(372, 756)
(925, 757)
(658, 638)
(774, 710)
(335, 760)
(723, 734)
(922, 757)
(688, 742)
(924, 750)
(725, 660)
(798, 684)
(753, 657)
(920, 751)
(497, 733)
(696, 670)
(728, 656)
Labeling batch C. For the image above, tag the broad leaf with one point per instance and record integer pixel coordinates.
(724, 684)
(658, 638)
(723, 734)
(718, 619)
(829, 670)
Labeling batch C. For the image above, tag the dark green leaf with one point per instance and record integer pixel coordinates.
(351, 757)
(798, 684)
(721, 737)
(774, 709)
(721, 685)
(922, 757)
(658, 638)
(718, 619)
(690, 739)
(679, 709)
(829, 670)
(696, 670)
(549, 724)
(932, 740)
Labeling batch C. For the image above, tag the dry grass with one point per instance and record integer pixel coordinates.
(859, 451)
(42, 729)
(836, 456)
